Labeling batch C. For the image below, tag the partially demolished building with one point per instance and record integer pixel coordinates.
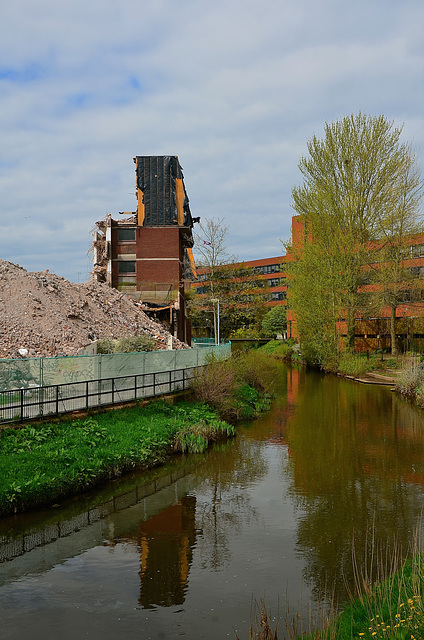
(148, 253)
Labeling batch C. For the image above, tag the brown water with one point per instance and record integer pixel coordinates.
(182, 551)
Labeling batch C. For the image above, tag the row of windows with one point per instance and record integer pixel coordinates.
(269, 268)
(415, 251)
(277, 295)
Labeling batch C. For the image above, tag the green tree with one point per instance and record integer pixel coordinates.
(275, 320)
(355, 179)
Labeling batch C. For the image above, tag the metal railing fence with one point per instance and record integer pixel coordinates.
(19, 405)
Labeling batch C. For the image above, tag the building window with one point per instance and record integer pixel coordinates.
(126, 266)
(201, 290)
(278, 295)
(269, 268)
(126, 235)
(417, 271)
(275, 282)
(417, 250)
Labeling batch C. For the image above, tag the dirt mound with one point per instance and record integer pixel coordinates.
(50, 316)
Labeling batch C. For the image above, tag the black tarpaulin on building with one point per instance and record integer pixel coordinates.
(156, 177)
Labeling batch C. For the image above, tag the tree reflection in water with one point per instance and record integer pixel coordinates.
(356, 456)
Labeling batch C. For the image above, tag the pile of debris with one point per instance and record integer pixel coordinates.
(42, 314)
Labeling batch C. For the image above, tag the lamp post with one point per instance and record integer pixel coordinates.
(216, 318)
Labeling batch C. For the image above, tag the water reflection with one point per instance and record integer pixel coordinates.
(165, 542)
(355, 454)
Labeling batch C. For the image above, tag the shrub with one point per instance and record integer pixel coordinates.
(105, 345)
(215, 384)
(135, 343)
(236, 387)
(279, 349)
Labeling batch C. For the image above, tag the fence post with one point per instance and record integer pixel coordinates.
(22, 405)
(57, 399)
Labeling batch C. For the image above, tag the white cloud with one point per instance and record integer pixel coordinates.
(233, 88)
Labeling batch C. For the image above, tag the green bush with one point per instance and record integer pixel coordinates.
(278, 349)
(275, 321)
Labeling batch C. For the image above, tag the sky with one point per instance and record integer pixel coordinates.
(234, 88)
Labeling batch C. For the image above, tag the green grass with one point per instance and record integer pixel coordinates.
(392, 609)
(40, 464)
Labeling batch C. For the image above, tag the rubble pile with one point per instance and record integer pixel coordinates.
(42, 314)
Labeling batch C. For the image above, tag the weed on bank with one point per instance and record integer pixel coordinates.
(42, 463)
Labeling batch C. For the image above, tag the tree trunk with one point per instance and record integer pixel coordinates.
(394, 349)
(350, 329)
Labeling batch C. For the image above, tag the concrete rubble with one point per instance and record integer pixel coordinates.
(42, 314)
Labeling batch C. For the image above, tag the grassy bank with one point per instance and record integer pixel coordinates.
(39, 464)
(346, 364)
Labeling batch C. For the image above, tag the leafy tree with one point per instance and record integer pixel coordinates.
(356, 180)
(275, 320)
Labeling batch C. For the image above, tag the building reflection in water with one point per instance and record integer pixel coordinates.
(166, 541)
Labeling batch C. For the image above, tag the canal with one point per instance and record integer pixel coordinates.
(186, 550)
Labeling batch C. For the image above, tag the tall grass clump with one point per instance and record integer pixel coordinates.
(356, 364)
(411, 383)
(239, 387)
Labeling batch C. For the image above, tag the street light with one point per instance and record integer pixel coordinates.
(216, 318)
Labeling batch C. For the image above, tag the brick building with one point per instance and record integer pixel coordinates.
(272, 270)
(371, 333)
(148, 253)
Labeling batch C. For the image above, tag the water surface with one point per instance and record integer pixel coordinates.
(182, 551)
